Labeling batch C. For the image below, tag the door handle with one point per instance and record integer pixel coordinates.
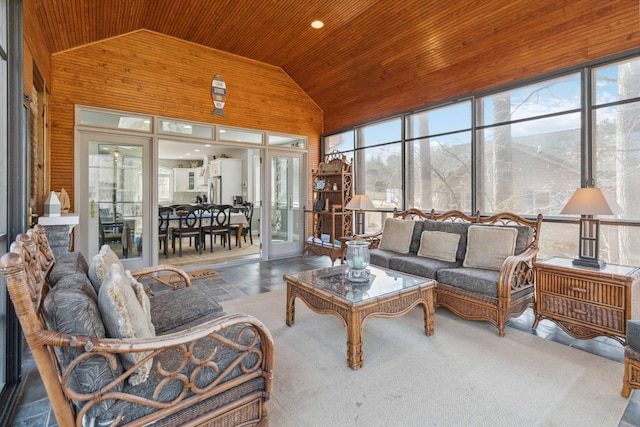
(290, 205)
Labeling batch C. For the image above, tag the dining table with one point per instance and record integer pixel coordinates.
(235, 218)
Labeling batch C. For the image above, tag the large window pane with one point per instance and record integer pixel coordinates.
(439, 172)
(617, 148)
(617, 82)
(548, 97)
(439, 120)
(380, 175)
(529, 167)
(380, 132)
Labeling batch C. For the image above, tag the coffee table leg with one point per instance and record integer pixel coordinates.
(429, 309)
(354, 341)
(291, 307)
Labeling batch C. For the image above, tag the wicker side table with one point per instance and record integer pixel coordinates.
(586, 302)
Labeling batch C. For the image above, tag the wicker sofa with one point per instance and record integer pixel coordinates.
(473, 282)
(199, 366)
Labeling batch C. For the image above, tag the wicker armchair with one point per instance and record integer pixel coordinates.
(213, 370)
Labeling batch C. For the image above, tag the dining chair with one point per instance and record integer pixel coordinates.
(164, 216)
(246, 229)
(189, 225)
(219, 225)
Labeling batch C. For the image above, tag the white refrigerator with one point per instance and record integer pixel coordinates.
(225, 180)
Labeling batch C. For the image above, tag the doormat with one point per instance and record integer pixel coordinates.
(201, 273)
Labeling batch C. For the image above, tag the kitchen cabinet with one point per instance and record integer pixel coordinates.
(189, 179)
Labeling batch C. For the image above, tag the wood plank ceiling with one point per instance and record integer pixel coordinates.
(368, 49)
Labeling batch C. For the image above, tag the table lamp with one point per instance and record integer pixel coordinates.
(588, 202)
(360, 203)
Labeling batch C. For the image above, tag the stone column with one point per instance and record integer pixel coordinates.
(58, 230)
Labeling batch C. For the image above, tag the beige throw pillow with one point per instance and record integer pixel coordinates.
(488, 246)
(396, 235)
(439, 245)
(124, 317)
(101, 264)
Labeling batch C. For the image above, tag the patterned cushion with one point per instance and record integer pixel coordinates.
(66, 264)
(381, 257)
(439, 245)
(71, 311)
(78, 281)
(124, 317)
(166, 315)
(488, 247)
(397, 234)
(101, 264)
(415, 237)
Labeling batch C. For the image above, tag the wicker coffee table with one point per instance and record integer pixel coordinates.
(388, 293)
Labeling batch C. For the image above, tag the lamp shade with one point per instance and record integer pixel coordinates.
(360, 202)
(589, 201)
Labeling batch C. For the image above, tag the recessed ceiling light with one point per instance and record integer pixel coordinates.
(196, 150)
(317, 24)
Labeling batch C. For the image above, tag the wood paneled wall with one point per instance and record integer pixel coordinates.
(150, 73)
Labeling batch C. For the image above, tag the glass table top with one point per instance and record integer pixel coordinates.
(381, 282)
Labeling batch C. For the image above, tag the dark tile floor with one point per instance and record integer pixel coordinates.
(236, 281)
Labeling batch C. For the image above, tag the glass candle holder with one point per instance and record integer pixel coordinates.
(357, 258)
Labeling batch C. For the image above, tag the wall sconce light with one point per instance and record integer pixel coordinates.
(360, 203)
(588, 202)
(116, 155)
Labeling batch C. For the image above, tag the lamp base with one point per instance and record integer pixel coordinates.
(590, 262)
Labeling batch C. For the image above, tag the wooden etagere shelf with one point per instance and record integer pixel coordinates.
(328, 220)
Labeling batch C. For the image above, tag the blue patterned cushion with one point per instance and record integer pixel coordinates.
(420, 266)
(71, 311)
(66, 264)
(166, 315)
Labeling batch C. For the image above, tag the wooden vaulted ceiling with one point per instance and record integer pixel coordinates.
(373, 57)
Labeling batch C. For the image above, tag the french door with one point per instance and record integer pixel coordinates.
(285, 213)
(113, 188)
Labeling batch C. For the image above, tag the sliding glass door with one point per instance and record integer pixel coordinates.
(286, 208)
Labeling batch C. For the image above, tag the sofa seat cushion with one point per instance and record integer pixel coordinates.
(397, 235)
(460, 228)
(419, 266)
(220, 357)
(477, 280)
(167, 314)
(381, 257)
(67, 264)
(71, 311)
(633, 334)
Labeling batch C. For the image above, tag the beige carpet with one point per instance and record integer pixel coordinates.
(463, 375)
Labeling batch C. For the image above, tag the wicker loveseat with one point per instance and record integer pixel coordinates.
(198, 367)
(493, 289)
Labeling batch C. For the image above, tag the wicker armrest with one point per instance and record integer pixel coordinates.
(372, 238)
(163, 275)
(517, 272)
(244, 341)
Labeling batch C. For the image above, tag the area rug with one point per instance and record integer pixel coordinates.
(463, 375)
